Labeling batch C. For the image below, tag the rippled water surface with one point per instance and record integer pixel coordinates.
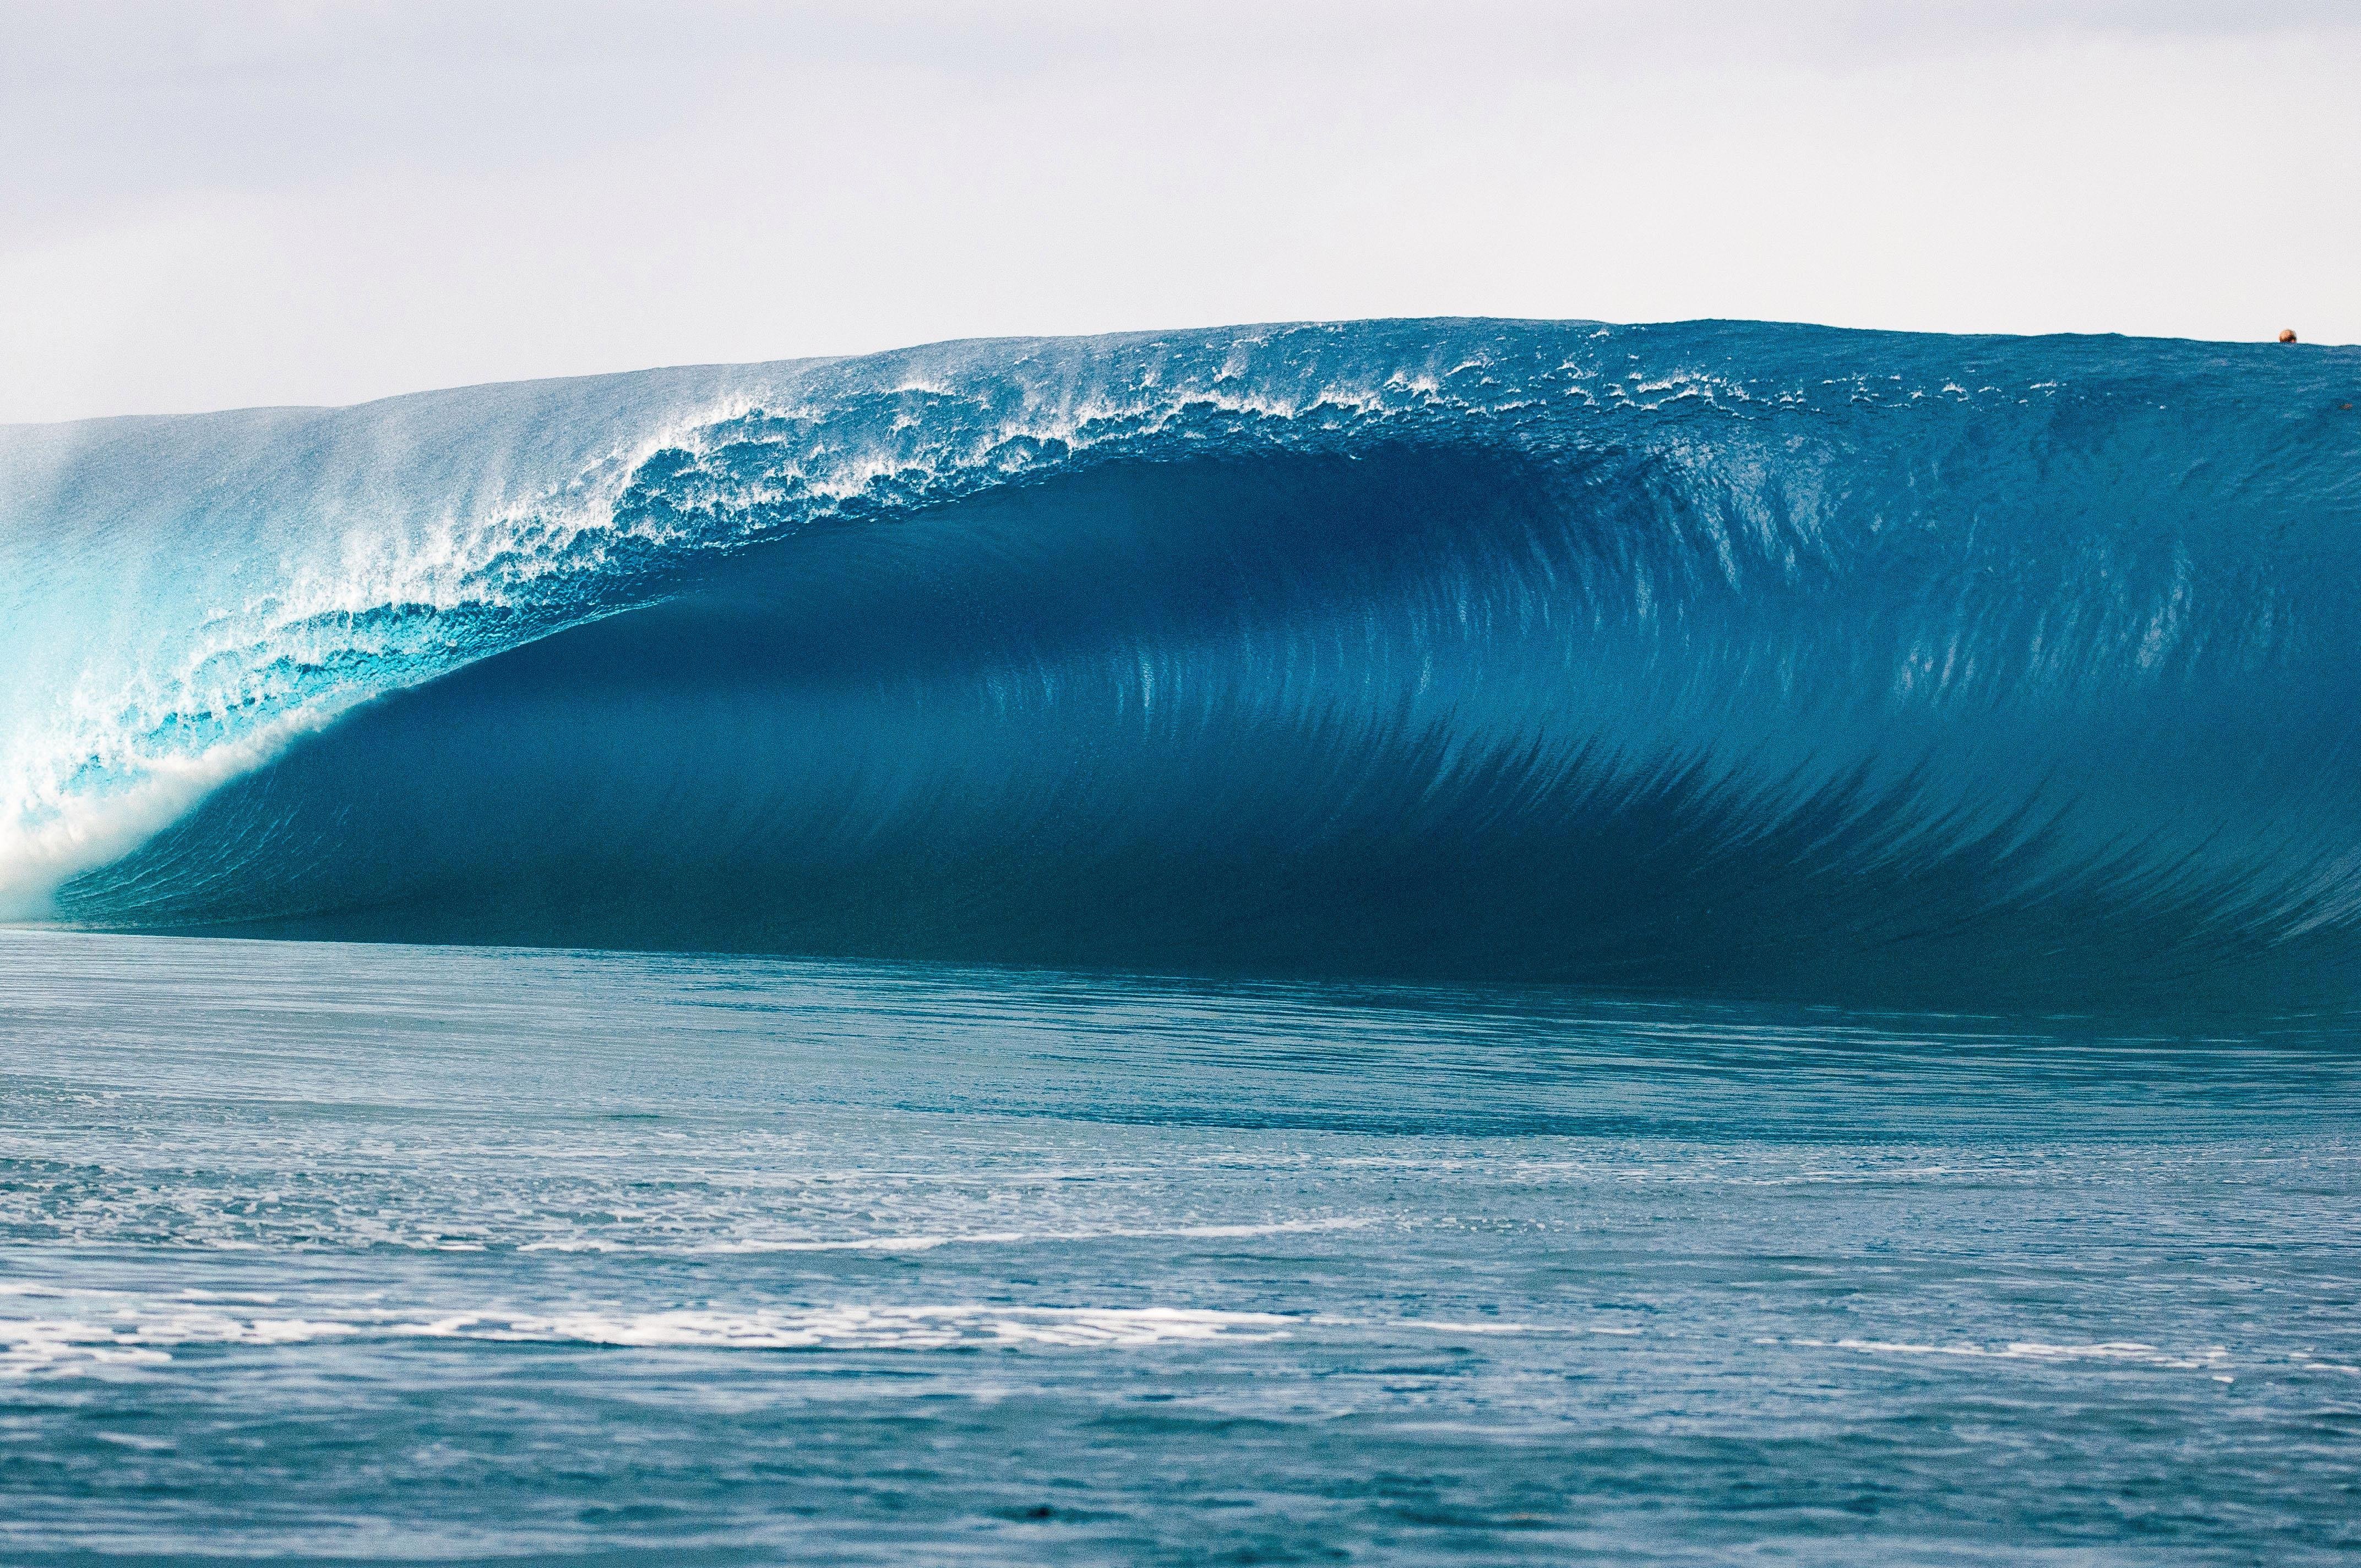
(333, 1254)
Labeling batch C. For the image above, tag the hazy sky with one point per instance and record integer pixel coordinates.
(208, 205)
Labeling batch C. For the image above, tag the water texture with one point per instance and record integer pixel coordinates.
(328, 1254)
(1704, 659)
(1408, 942)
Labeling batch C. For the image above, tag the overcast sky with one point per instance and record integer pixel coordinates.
(218, 204)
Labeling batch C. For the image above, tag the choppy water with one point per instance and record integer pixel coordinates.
(336, 1253)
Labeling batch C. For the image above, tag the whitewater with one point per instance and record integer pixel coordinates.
(1707, 658)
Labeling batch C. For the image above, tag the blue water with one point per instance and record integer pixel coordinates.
(1710, 658)
(324, 1253)
(1401, 941)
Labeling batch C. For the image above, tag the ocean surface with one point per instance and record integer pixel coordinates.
(1391, 942)
(334, 1253)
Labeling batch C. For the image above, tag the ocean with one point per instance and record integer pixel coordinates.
(336, 1254)
(1392, 942)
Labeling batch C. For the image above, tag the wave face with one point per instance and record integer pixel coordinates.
(1708, 657)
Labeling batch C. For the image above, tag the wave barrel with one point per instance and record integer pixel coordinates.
(1711, 658)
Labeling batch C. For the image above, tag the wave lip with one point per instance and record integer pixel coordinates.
(1711, 657)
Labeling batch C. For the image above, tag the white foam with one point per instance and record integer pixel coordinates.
(928, 1240)
(2128, 1351)
(129, 1337)
(902, 1327)
(29, 1345)
(54, 832)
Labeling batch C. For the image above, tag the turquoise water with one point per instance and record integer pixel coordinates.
(331, 1254)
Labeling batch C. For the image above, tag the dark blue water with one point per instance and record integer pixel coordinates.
(331, 1254)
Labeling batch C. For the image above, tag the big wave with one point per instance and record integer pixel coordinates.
(1713, 657)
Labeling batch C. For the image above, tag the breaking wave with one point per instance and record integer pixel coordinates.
(1709, 657)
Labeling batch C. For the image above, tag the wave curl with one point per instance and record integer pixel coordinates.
(1712, 657)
